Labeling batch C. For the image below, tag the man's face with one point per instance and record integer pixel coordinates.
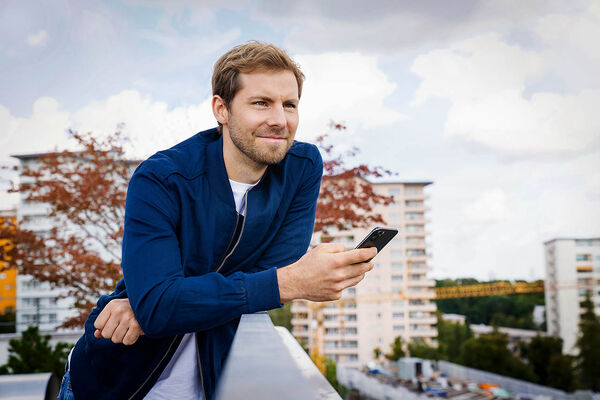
(263, 116)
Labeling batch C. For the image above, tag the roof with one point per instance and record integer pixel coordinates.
(571, 238)
(416, 183)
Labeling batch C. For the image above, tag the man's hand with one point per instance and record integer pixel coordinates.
(117, 323)
(323, 272)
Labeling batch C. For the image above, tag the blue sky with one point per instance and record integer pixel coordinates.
(495, 102)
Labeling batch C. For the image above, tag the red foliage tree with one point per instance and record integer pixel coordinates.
(346, 199)
(85, 194)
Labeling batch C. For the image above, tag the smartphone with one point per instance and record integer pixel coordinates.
(378, 238)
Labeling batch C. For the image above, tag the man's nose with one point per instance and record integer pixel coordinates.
(277, 116)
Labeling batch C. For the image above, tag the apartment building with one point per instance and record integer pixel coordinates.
(393, 300)
(8, 278)
(572, 272)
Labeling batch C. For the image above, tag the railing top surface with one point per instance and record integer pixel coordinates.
(268, 363)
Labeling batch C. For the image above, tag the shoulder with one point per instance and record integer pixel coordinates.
(305, 152)
(185, 159)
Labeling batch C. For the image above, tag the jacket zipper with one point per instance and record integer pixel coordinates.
(239, 236)
(155, 368)
(217, 270)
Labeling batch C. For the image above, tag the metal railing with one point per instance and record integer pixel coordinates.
(266, 362)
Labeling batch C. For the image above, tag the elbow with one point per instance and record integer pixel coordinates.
(153, 322)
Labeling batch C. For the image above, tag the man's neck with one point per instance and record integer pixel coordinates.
(239, 167)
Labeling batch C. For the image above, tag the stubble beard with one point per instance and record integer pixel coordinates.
(245, 142)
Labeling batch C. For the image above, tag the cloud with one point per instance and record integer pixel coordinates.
(384, 27)
(485, 80)
(38, 39)
(344, 87)
(149, 124)
(491, 205)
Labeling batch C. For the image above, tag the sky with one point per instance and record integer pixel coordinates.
(495, 102)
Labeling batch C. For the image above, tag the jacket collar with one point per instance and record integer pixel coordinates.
(215, 169)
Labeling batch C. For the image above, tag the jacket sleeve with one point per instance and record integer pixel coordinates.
(293, 238)
(165, 302)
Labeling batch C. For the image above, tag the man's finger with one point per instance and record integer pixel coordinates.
(119, 333)
(354, 270)
(131, 336)
(103, 317)
(332, 247)
(97, 334)
(358, 255)
(353, 281)
(109, 328)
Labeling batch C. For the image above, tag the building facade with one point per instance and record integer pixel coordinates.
(572, 272)
(8, 278)
(393, 300)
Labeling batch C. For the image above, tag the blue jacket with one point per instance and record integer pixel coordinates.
(179, 220)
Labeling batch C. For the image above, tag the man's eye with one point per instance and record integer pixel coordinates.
(260, 103)
(290, 105)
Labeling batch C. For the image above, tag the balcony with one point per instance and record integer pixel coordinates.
(266, 362)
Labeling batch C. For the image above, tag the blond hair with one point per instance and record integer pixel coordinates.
(246, 58)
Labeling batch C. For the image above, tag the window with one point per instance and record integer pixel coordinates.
(378, 316)
(394, 192)
(51, 318)
(352, 357)
(330, 317)
(416, 314)
(415, 252)
(397, 303)
(584, 257)
(398, 315)
(351, 317)
(412, 191)
(398, 328)
(414, 216)
(351, 291)
(397, 265)
(397, 277)
(331, 331)
(395, 217)
(395, 253)
(351, 331)
(2, 275)
(413, 203)
(414, 228)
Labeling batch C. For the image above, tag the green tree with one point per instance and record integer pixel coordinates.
(331, 375)
(418, 348)
(377, 353)
(397, 351)
(451, 336)
(282, 316)
(560, 372)
(8, 322)
(588, 343)
(551, 367)
(489, 352)
(32, 353)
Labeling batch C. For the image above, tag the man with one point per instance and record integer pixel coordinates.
(215, 227)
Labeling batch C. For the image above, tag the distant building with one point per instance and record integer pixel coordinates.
(572, 272)
(456, 318)
(515, 336)
(539, 315)
(8, 278)
(395, 297)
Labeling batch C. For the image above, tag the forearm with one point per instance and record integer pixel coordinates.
(202, 302)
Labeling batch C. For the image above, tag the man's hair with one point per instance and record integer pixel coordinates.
(246, 58)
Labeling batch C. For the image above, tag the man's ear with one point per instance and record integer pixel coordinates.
(220, 110)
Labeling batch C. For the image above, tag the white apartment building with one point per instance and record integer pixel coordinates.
(572, 271)
(393, 300)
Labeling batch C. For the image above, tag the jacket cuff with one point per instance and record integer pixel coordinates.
(262, 290)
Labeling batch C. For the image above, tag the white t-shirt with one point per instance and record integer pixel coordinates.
(181, 377)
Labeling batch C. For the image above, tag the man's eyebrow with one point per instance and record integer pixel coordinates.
(259, 97)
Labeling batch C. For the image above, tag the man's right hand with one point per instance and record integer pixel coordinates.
(324, 272)
(117, 323)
